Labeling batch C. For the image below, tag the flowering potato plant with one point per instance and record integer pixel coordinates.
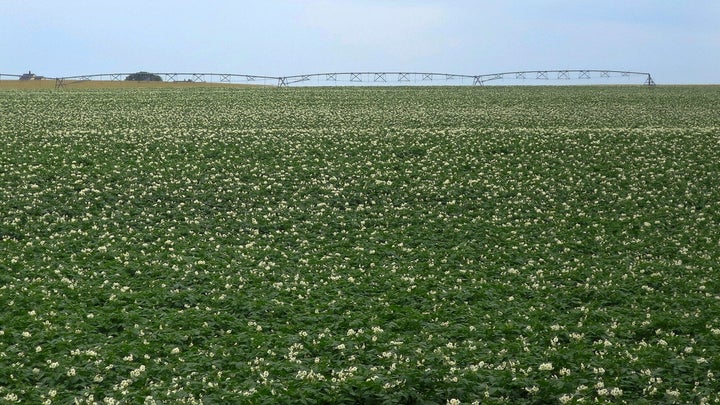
(354, 245)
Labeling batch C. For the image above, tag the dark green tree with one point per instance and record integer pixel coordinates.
(144, 77)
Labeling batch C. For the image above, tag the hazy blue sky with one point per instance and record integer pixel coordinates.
(678, 41)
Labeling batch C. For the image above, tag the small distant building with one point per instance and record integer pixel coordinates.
(30, 76)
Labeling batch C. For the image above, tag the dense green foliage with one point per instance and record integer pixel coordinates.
(355, 245)
(143, 77)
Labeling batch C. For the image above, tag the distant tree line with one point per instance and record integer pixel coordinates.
(143, 77)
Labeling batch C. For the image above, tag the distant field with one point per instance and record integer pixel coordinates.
(107, 84)
(360, 245)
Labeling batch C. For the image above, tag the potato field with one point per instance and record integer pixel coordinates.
(353, 245)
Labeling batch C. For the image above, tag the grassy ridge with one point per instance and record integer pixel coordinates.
(525, 245)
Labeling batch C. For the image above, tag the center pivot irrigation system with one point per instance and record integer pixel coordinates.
(366, 78)
(451, 78)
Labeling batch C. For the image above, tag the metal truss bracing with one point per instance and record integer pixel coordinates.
(373, 78)
(403, 78)
(421, 78)
(565, 74)
(197, 77)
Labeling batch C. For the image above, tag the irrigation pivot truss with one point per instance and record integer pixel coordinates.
(375, 78)
(424, 78)
(566, 74)
(230, 78)
(365, 78)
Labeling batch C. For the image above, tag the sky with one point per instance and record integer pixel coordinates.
(677, 41)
